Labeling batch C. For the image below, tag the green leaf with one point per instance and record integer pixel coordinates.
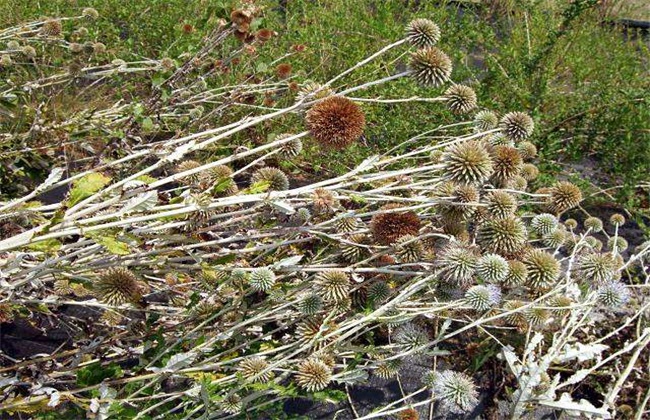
(147, 124)
(222, 185)
(48, 245)
(258, 187)
(95, 373)
(111, 244)
(87, 186)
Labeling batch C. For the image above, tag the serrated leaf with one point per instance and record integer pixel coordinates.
(87, 186)
(222, 185)
(112, 245)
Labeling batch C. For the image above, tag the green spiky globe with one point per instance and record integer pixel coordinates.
(311, 304)
(456, 392)
(460, 99)
(492, 268)
(485, 120)
(457, 263)
(613, 294)
(333, 285)
(481, 297)
(543, 269)
(544, 223)
(505, 236)
(517, 273)
(594, 224)
(467, 163)
(261, 279)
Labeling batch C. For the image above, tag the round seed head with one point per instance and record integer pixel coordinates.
(302, 216)
(498, 139)
(563, 196)
(347, 223)
(409, 249)
(517, 273)
(388, 369)
(333, 285)
(594, 243)
(276, 179)
(51, 28)
(529, 171)
(311, 91)
(517, 126)
(467, 163)
(231, 403)
(617, 219)
(430, 67)
(254, 369)
(29, 51)
(291, 148)
(13, 45)
(613, 294)
(324, 201)
(311, 304)
(5, 60)
(187, 165)
(99, 48)
(527, 150)
(239, 275)
(264, 35)
(597, 268)
(313, 375)
(518, 183)
(241, 17)
(460, 99)
(555, 239)
(352, 252)
(386, 228)
(516, 319)
(118, 285)
(617, 242)
(485, 120)
(544, 223)
(500, 204)
(481, 298)
(492, 268)
(411, 336)
(560, 302)
(594, 223)
(543, 269)
(505, 236)
(261, 279)
(90, 13)
(456, 392)
(335, 122)
(408, 414)
(507, 163)
(379, 292)
(571, 224)
(457, 263)
(537, 316)
(422, 33)
(283, 70)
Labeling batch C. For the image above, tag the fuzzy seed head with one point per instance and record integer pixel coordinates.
(335, 122)
(481, 298)
(29, 51)
(461, 99)
(386, 228)
(593, 223)
(118, 285)
(352, 252)
(564, 196)
(617, 243)
(543, 269)
(347, 223)
(51, 28)
(537, 316)
(6, 61)
(467, 163)
(485, 120)
(456, 392)
(231, 403)
(277, 180)
(422, 33)
(430, 67)
(613, 294)
(261, 279)
(544, 223)
(311, 91)
(492, 268)
(313, 375)
(253, 369)
(571, 224)
(517, 126)
(333, 285)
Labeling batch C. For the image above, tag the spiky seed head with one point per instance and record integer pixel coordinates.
(594, 224)
(411, 336)
(409, 249)
(564, 196)
(408, 414)
(555, 238)
(543, 269)
(617, 219)
(347, 223)
(498, 139)
(352, 252)
(492, 268)
(239, 275)
(187, 165)
(62, 287)
(436, 156)
(500, 204)
(518, 183)
(290, 149)
(231, 403)
(333, 285)
(313, 375)
(324, 201)
(506, 162)
(456, 392)
(261, 279)
(594, 243)
(389, 226)
(537, 316)
(254, 369)
(430, 66)
(481, 298)
(543, 224)
(505, 236)
(457, 263)
(302, 216)
(51, 28)
(467, 163)
(527, 150)
(422, 33)
(311, 304)
(571, 224)
(517, 273)
(28, 51)
(13, 45)
(529, 171)
(312, 90)
(99, 48)
(6, 61)
(379, 292)
(516, 319)
(485, 120)
(614, 293)
(335, 122)
(118, 285)
(462, 208)
(461, 99)
(387, 369)
(559, 303)
(617, 242)
(597, 268)
(277, 179)
(517, 125)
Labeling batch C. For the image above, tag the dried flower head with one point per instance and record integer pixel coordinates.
(594, 224)
(409, 249)
(482, 298)
(505, 236)
(492, 268)
(422, 33)
(564, 196)
(291, 148)
(324, 201)
(527, 150)
(467, 163)
(99, 48)
(514, 317)
(617, 219)
(283, 70)
(254, 369)
(118, 285)
(430, 66)
(517, 126)
(500, 204)
(537, 316)
(355, 248)
(335, 122)
(456, 391)
(264, 35)
(276, 179)
(529, 171)
(28, 51)
(311, 304)
(543, 269)
(313, 375)
(333, 285)
(543, 223)
(387, 227)
(485, 120)
(460, 99)
(51, 28)
(517, 273)
(457, 263)
(506, 162)
(571, 224)
(5, 60)
(241, 17)
(614, 294)
(261, 279)
(90, 13)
